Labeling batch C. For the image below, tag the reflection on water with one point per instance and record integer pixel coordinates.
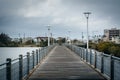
(14, 52)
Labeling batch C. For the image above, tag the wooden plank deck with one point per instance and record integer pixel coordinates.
(63, 64)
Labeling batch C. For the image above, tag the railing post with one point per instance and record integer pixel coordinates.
(79, 52)
(33, 57)
(102, 63)
(20, 67)
(41, 53)
(82, 54)
(45, 51)
(28, 62)
(8, 69)
(37, 56)
(90, 56)
(112, 68)
(95, 58)
(86, 55)
(70, 46)
(48, 49)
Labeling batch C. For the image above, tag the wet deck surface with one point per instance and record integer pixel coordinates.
(63, 64)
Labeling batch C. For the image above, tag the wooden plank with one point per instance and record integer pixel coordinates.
(63, 64)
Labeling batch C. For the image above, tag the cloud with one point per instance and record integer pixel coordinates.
(34, 15)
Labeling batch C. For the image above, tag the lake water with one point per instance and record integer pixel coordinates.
(14, 52)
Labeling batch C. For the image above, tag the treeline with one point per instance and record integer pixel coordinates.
(107, 47)
(6, 41)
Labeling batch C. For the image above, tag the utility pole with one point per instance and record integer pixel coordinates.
(48, 35)
(87, 17)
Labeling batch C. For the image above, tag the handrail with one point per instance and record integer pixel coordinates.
(109, 67)
(23, 66)
(4, 63)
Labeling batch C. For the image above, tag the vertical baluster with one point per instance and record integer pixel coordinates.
(28, 62)
(112, 68)
(95, 58)
(102, 63)
(8, 69)
(33, 56)
(36, 56)
(20, 67)
(39, 55)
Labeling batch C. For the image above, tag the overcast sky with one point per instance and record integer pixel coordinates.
(30, 17)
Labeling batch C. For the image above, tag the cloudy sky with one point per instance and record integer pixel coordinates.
(31, 17)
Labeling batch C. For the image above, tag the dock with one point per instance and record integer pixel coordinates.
(63, 64)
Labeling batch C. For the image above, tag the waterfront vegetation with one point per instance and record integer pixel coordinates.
(6, 41)
(107, 47)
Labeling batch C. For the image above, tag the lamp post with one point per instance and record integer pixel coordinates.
(87, 17)
(82, 37)
(51, 37)
(48, 35)
(69, 36)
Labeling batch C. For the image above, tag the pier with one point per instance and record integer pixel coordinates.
(61, 62)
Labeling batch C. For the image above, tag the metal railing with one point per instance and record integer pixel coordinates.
(20, 68)
(106, 64)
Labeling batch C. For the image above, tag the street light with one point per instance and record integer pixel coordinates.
(69, 36)
(48, 35)
(87, 17)
(82, 37)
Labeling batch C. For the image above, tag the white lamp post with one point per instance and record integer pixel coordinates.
(48, 35)
(69, 36)
(87, 17)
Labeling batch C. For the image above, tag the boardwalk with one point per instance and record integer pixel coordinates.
(62, 64)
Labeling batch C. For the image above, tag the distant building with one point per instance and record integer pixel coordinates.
(116, 40)
(16, 39)
(109, 33)
(39, 39)
(24, 40)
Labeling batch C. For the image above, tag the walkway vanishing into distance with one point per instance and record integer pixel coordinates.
(63, 64)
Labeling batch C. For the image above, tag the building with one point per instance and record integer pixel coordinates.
(109, 33)
(116, 40)
(39, 39)
(24, 40)
(16, 39)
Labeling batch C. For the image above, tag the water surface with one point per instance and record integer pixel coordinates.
(14, 52)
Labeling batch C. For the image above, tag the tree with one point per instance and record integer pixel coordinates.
(107, 47)
(115, 50)
(5, 40)
(43, 43)
(104, 47)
